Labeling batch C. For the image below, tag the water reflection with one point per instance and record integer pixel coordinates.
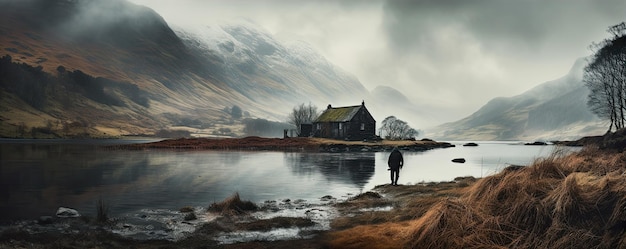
(351, 168)
(37, 178)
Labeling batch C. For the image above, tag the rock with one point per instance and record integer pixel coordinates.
(186, 209)
(44, 220)
(190, 216)
(64, 212)
(536, 143)
(458, 160)
(471, 144)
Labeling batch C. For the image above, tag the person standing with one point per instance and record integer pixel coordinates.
(395, 163)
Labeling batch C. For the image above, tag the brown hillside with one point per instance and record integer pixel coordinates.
(122, 42)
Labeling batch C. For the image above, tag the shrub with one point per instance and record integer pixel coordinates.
(102, 211)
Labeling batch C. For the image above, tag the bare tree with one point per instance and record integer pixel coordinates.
(303, 114)
(605, 76)
(396, 129)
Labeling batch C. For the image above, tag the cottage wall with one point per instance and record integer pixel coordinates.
(362, 126)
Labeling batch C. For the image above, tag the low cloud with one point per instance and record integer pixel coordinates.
(447, 56)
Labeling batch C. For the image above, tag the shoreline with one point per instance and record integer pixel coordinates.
(559, 198)
(285, 144)
(557, 190)
(212, 228)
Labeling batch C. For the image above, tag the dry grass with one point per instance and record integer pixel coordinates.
(386, 235)
(558, 202)
(389, 229)
(574, 201)
(233, 205)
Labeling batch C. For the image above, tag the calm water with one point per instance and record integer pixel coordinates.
(38, 177)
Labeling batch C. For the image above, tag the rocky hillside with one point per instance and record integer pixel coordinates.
(553, 110)
(185, 79)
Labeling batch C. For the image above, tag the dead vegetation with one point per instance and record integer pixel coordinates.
(356, 228)
(233, 205)
(574, 201)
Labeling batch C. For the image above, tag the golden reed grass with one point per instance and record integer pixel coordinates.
(572, 201)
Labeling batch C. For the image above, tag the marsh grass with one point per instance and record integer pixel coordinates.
(102, 211)
(558, 202)
(233, 205)
(562, 201)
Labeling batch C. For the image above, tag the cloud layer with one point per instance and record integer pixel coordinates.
(447, 56)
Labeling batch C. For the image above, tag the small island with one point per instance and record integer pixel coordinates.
(303, 144)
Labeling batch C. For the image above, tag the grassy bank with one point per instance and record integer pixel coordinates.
(286, 144)
(575, 201)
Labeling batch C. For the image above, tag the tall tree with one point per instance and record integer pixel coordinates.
(303, 114)
(605, 76)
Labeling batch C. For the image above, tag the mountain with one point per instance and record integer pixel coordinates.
(270, 72)
(111, 67)
(111, 40)
(553, 110)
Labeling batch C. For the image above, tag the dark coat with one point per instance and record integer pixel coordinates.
(395, 160)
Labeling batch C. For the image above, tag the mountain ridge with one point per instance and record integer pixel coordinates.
(550, 111)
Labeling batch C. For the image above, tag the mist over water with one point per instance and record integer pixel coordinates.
(39, 178)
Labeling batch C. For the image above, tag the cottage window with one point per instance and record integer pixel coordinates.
(362, 126)
(340, 126)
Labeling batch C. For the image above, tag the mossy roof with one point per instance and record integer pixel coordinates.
(338, 114)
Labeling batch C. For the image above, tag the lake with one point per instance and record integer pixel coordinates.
(38, 177)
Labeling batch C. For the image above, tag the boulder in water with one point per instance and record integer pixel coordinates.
(64, 212)
(458, 160)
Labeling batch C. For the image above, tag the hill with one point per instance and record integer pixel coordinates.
(551, 111)
(184, 80)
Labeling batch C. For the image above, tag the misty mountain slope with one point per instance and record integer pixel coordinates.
(119, 41)
(113, 39)
(561, 111)
(182, 81)
(553, 110)
(270, 72)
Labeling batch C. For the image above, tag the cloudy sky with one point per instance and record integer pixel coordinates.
(458, 54)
